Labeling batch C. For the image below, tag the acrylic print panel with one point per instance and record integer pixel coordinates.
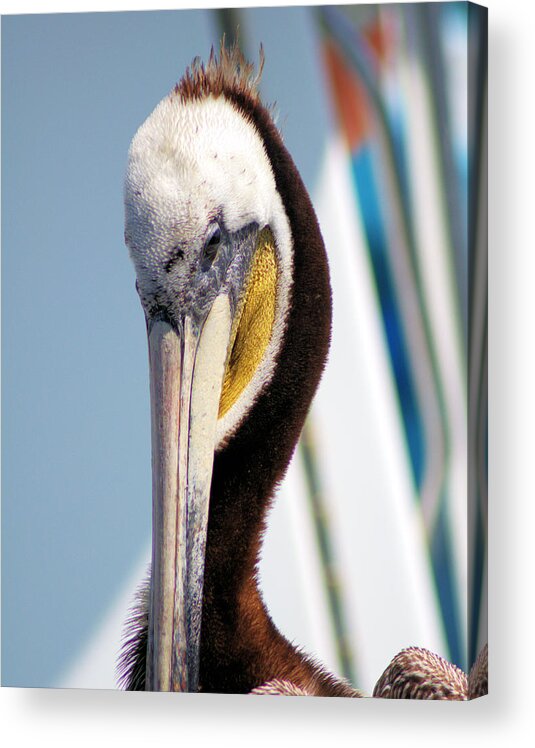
(376, 538)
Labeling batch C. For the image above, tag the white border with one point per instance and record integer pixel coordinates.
(88, 718)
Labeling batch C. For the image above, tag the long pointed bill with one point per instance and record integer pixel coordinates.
(186, 378)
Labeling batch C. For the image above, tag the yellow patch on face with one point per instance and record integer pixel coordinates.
(253, 324)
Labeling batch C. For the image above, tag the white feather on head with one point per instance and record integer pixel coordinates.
(197, 158)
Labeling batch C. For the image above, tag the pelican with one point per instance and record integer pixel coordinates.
(232, 275)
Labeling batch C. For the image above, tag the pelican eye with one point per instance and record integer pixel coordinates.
(210, 249)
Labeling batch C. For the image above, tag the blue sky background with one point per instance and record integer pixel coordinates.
(75, 431)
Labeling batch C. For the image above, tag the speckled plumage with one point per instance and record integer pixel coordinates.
(278, 688)
(417, 673)
(478, 678)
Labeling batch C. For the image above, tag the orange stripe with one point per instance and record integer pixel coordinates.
(380, 37)
(349, 97)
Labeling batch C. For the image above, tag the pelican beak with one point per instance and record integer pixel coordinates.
(186, 374)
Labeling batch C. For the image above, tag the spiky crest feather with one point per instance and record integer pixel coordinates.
(227, 73)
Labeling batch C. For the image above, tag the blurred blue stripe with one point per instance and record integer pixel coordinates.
(442, 561)
(370, 208)
(355, 50)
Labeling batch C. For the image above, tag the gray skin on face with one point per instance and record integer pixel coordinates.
(187, 278)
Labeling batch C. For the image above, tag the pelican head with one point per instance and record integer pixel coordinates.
(211, 244)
